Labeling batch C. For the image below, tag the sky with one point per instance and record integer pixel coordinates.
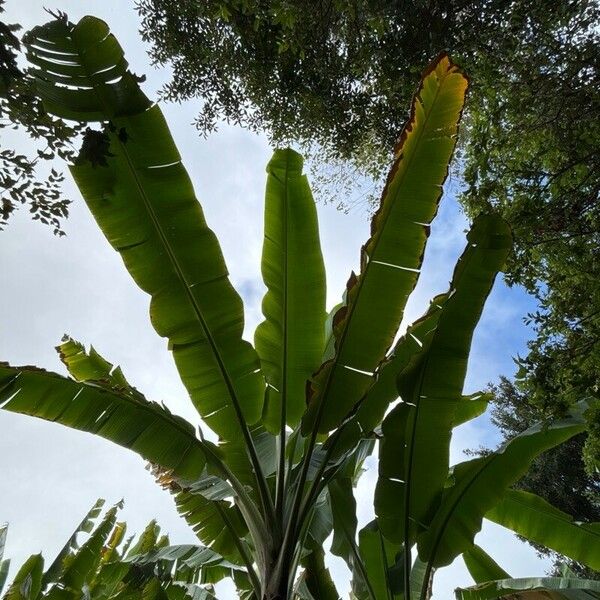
(77, 285)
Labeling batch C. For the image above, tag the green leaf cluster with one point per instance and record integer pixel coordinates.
(108, 565)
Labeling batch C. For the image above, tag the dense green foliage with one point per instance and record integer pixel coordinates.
(22, 182)
(293, 416)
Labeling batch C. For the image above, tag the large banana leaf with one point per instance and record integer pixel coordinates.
(123, 417)
(481, 566)
(343, 503)
(533, 518)
(365, 325)
(478, 485)
(143, 200)
(533, 588)
(379, 573)
(384, 390)
(290, 340)
(414, 454)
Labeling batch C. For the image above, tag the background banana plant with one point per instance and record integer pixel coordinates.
(295, 414)
(111, 565)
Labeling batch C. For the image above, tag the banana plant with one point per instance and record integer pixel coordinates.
(295, 414)
(110, 566)
(494, 582)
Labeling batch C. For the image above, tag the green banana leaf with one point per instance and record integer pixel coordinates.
(82, 364)
(414, 453)
(114, 541)
(533, 588)
(143, 200)
(384, 390)
(4, 563)
(365, 325)
(214, 522)
(345, 521)
(28, 582)
(482, 567)
(102, 568)
(291, 338)
(146, 541)
(122, 417)
(315, 582)
(538, 521)
(90, 366)
(186, 560)
(478, 485)
(379, 574)
(52, 572)
(471, 407)
(80, 567)
(418, 572)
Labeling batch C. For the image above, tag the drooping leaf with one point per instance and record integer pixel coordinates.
(143, 200)
(538, 521)
(481, 566)
(189, 591)
(414, 454)
(478, 485)
(197, 561)
(533, 588)
(290, 340)
(123, 418)
(217, 523)
(366, 324)
(470, 407)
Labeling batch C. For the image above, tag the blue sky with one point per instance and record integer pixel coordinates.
(77, 285)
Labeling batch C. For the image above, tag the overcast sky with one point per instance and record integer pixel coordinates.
(78, 285)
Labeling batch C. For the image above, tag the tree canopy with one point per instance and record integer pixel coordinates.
(22, 181)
